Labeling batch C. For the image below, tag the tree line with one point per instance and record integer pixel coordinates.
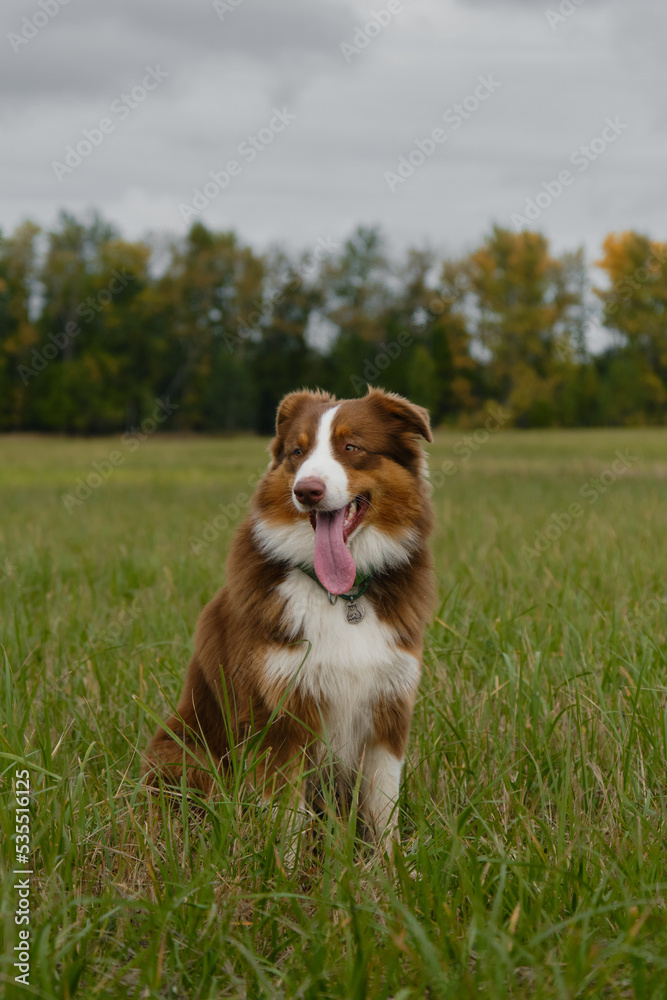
(95, 329)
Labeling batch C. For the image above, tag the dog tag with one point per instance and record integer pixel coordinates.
(355, 612)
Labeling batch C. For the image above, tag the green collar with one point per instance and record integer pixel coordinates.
(362, 582)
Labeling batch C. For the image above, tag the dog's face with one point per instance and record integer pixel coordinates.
(346, 488)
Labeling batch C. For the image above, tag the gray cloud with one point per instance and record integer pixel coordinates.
(354, 119)
(91, 50)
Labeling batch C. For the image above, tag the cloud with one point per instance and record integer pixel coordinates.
(88, 51)
(353, 120)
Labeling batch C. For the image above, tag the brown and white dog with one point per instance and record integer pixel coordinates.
(276, 648)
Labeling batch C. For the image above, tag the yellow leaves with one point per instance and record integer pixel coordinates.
(636, 298)
(619, 250)
(485, 260)
(632, 259)
(529, 388)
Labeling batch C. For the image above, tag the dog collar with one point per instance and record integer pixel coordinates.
(360, 581)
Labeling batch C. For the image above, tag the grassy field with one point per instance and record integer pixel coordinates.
(533, 860)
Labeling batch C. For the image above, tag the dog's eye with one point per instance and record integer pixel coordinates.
(351, 447)
(297, 452)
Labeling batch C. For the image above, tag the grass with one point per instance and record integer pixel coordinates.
(533, 810)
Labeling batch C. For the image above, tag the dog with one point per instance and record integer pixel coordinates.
(316, 641)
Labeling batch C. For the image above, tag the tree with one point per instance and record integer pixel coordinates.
(98, 375)
(282, 358)
(96, 330)
(436, 368)
(635, 306)
(357, 292)
(18, 334)
(210, 303)
(520, 298)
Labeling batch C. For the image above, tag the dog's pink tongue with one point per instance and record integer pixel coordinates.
(333, 563)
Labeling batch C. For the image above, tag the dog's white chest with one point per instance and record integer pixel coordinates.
(346, 667)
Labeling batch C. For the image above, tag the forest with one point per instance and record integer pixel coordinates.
(97, 331)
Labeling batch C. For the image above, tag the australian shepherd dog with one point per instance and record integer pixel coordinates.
(316, 641)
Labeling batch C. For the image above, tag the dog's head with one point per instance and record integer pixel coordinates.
(347, 487)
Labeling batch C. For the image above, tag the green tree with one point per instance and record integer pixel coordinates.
(210, 303)
(635, 307)
(357, 292)
(92, 285)
(282, 359)
(18, 333)
(436, 365)
(521, 298)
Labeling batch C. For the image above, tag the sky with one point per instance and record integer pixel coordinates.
(433, 118)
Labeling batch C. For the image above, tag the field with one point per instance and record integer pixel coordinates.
(533, 860)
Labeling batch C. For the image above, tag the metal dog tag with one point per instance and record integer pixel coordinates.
(355, 612)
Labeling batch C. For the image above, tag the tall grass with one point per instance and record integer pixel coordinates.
(533, 807)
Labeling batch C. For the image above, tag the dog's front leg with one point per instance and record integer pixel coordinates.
(380, 784)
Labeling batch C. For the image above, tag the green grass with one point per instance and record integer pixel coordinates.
(534, 859)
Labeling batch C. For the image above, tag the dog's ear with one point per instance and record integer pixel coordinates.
(415, 419)
(294, 402)
(290, 406)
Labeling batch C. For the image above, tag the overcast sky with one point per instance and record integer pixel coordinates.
(218, 76)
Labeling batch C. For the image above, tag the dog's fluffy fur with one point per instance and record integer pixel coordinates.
(272, 651)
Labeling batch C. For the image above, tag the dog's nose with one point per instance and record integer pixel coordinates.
(309, 491)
